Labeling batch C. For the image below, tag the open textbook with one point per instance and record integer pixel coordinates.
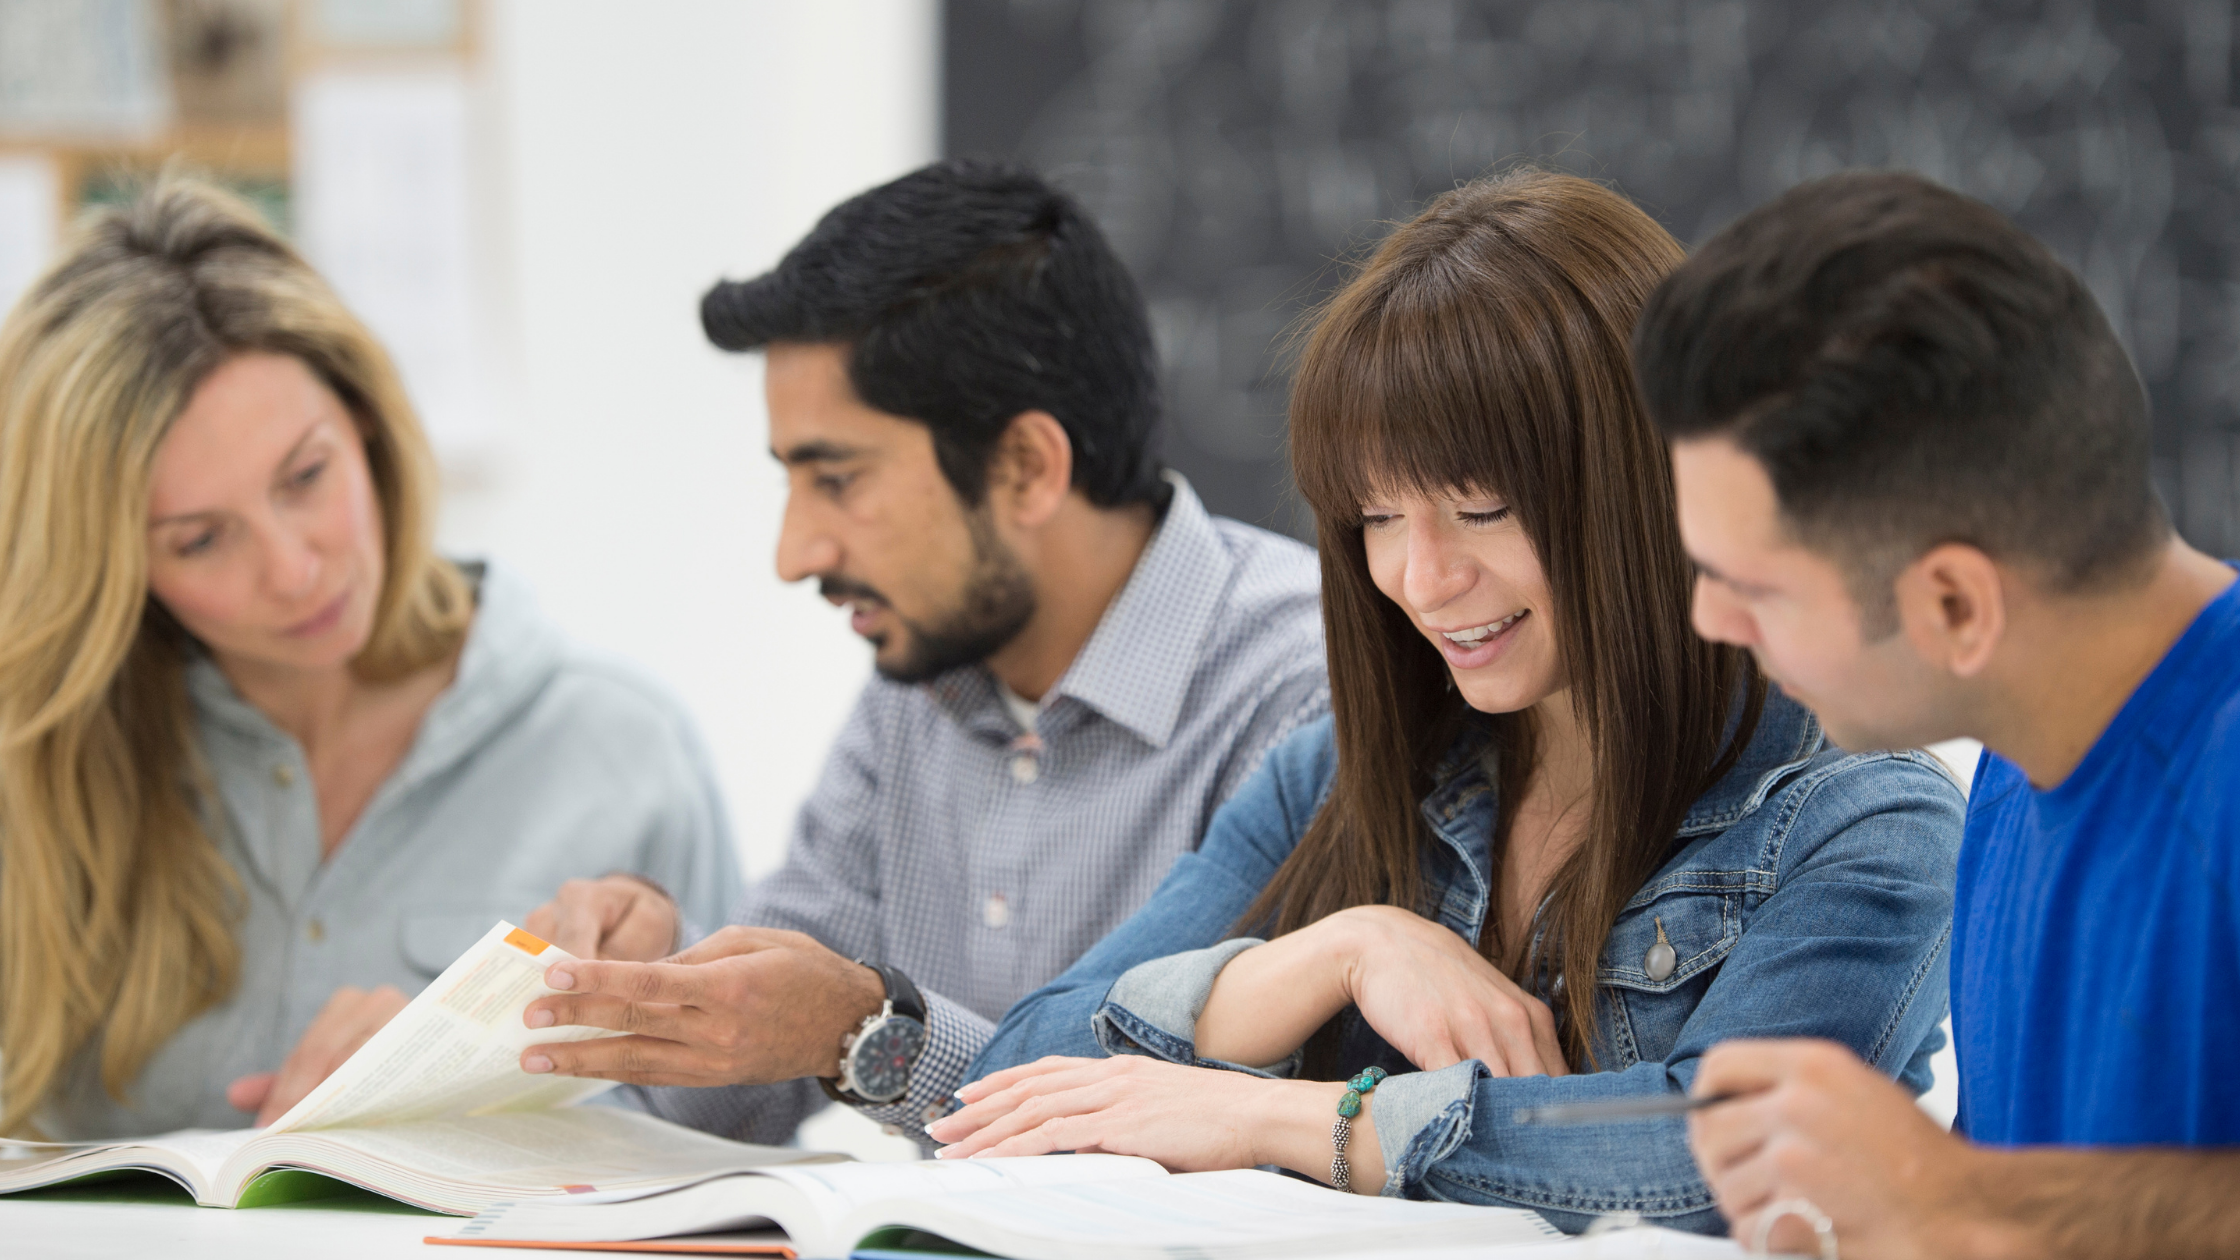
(1048, 1207)
(434, 1110)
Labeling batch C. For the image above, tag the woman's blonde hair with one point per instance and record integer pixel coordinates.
(117, 910)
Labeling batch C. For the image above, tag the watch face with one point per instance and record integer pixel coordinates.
(880, 1060)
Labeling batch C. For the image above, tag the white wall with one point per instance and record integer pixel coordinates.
(28, 226)
(628, 157)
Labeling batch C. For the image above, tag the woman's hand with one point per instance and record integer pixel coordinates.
(1189, 1119)
(348, 1019)
(1438, 1001)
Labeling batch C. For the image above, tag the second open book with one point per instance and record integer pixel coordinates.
(434, 1110)
(1045, 1207)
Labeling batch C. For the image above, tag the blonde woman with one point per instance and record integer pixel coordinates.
(267, 762)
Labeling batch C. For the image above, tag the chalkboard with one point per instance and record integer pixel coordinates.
(1238, 151)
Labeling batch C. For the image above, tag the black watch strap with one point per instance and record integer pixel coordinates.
(904, 995)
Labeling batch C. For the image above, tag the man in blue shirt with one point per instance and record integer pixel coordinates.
(1912, 465)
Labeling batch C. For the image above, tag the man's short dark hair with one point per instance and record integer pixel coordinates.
(1911, 369)
(969, 292)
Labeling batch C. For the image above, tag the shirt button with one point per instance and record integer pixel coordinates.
(995, 911)
(1661, 959)
(1024, 769)
(284, 775)
(316, 930)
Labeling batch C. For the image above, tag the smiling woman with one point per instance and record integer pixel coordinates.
(267, 762)
(1550, 847)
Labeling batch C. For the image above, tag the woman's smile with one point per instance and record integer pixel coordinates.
(1477, 646)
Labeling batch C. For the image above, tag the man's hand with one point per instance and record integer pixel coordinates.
(350, 1017)
(618, 917)
(1816, 1123)
(745, 1006)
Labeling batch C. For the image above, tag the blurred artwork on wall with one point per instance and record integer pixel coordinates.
(348, 123)
(229, 61)
(1239, 151)
(87, 68)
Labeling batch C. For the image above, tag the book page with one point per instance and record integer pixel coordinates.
(456, 1049)
(838, 1189)
(205, 1150)
(814, 1201)
(578, 1151)
(191, 1156)
(1237, 1213)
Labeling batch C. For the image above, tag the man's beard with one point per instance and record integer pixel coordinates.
(998, 602)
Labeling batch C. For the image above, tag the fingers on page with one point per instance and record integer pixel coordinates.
(673, 984)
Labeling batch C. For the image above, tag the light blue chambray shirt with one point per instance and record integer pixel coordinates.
(982, 859)
(541, 763)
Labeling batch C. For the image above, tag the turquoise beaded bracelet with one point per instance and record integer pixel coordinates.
(1349, 1105)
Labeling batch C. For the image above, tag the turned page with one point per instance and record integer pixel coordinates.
(455, 1050)
(541, 1151)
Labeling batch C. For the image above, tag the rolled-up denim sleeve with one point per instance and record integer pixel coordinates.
(1421, 1118)
(1153, 1009)
(1453, 1134)
(1849, 947)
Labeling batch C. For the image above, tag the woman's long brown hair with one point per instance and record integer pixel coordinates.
(1483, 348)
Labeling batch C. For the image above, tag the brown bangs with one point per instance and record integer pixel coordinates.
(1462, 355)
(1414, 383)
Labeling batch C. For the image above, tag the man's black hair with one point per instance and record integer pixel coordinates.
(1911, 369)
(969, 292)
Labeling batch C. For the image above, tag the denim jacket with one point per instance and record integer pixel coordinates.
(1809, 894)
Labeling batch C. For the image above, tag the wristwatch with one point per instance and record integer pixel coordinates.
(875, 1059)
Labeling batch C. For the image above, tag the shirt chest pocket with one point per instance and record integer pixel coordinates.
(433, 939)
(1661, 956)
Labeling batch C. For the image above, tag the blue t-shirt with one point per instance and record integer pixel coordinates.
(2095, 944)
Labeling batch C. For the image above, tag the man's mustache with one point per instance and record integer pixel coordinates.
(847, 590)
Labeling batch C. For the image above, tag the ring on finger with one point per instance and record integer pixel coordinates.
(1804, 1210)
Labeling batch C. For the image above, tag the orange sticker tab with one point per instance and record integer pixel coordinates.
(526, 943)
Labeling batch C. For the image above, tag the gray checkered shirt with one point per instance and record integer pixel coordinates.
(982, 859)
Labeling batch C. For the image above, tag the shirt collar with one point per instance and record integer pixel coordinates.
(1788, 736)
(1137, 665)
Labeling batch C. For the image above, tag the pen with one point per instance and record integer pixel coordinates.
(1619, 1109)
